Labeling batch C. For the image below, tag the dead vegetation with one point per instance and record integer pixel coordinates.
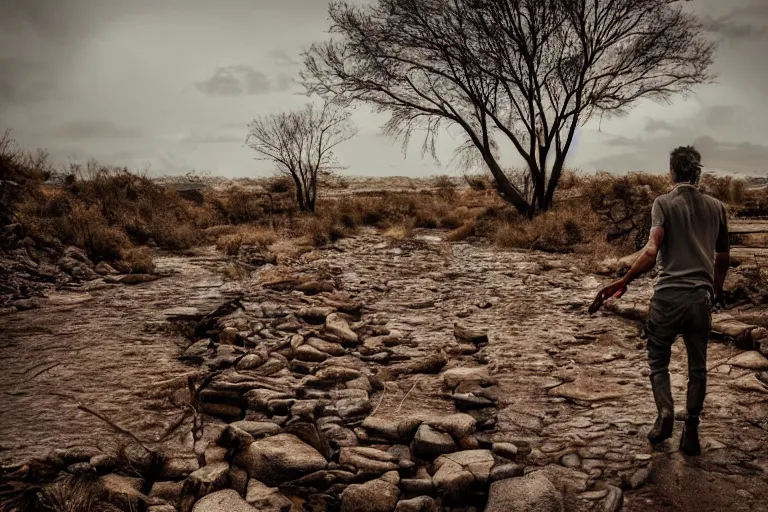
(117, 216)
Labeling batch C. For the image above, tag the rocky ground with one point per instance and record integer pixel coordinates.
(379, 375)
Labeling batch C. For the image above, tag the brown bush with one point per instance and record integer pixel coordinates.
(451, 222)
(139, 259)
(91, 232)
(241, 206)
(444, 182)
(230, 241)
(399, 232)
(479, 182)
(280, 184)
(559, 230)
(322, 230)
(463, 232)
(624, 204)
(725, 188)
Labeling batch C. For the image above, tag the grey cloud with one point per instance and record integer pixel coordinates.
(23, 82)
(81, 130)
(282, 58)
(744, 23)
(657, 125)
(651, 153)
(212, 139)
(735, 30)
(239, 80)
(736, 156)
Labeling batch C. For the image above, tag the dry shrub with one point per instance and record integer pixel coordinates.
(569, 180)
(624, 204)
(83, 493)
(479, 182)
(241, 205)
(280, 184)
(463, 232)
(91, 231)
(443, 181)
(230, 242)
(172, 233)
(558, 230)
(139, 259)
(322, 230)
(725, 188)
(235, 272)
(452, 221)
(399, 232)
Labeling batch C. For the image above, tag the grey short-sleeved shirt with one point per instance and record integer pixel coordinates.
(695, 228)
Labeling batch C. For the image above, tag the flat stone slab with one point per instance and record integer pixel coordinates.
(751, 360)
(589, 389)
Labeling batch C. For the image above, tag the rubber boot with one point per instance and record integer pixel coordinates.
(662, 394)
(689, 441)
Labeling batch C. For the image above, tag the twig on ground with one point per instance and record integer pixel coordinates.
(408, 393)
(114, 425)
(383, 394)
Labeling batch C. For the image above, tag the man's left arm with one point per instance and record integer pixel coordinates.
(644, 263)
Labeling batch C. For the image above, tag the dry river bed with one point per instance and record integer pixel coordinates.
(573, 388)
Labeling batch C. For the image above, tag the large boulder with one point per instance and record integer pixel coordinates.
(458, 425)
(258, 429)
(418, 504)
(280, 458)
(373, 496)
(339, 327)
(223, 501)
(400, 430)
(751, 360)
(532, 493)
(206, 480)
(453, 377)
(429, 443)
(266, 499)
(458, 472)
(368, 460)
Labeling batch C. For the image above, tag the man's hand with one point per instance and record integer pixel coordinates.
(644, 262)
(615, 289)
(718, 303)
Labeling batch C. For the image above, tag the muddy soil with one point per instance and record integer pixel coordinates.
(106, 348)
(574, 388)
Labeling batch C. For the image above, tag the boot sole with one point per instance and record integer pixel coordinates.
(690, 452)
(667, 425)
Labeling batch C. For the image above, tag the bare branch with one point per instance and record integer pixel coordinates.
(529, 71)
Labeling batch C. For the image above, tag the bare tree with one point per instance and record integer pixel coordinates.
(525, 71)
(301, 143)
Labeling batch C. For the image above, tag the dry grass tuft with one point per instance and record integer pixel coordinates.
(463, 232)
(399, 232)
(139, 259)
(231, 238)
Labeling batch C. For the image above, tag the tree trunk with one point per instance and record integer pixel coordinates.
(310, 199)
(299, 192)
(557, 171)
(506, 189)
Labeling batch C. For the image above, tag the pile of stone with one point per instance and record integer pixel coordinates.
(291, 421)
(29, 269)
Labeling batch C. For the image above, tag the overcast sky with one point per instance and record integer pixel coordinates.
(170, 85)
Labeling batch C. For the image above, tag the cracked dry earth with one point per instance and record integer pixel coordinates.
(573, 393)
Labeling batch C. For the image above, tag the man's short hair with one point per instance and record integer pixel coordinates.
(685, 163)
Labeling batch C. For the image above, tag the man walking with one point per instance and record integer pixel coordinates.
(689, 235)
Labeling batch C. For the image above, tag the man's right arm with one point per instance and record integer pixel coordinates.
(722, 255)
